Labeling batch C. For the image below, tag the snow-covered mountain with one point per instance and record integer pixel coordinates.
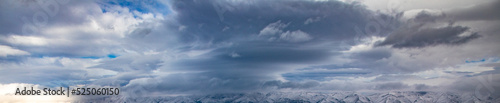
(310, 97)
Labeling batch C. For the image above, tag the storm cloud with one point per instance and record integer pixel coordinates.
(420, 32)
(177, 47)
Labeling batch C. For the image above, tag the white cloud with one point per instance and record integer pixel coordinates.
(27, 40)
(275, 30)
(234, 55)
(7, 50)
(366, 44)
(312, 20)
(403, 5)
(295, 36)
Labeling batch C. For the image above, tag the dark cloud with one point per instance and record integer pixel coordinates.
(418, 34)
(30, 15)
(418, 37)
(379, 60)
(372, 55)
(276, 54)
(426, 17)
(248, 61)
(202, 22)
(486, 11)
(251, 61)
(131, 63)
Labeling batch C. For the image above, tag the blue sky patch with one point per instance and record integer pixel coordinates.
(143, 6)
(112, 56)
(477, 61)
(99, 57)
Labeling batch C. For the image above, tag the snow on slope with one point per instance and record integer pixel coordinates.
(309, 97)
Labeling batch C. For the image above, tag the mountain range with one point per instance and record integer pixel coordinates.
(309, 97)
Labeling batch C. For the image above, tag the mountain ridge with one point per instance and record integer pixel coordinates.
(310, 97)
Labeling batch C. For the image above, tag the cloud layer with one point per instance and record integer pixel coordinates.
(207, 46)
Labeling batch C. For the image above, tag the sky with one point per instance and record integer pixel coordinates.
(185, 47)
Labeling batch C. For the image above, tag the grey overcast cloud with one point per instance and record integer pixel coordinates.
(185, 50)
